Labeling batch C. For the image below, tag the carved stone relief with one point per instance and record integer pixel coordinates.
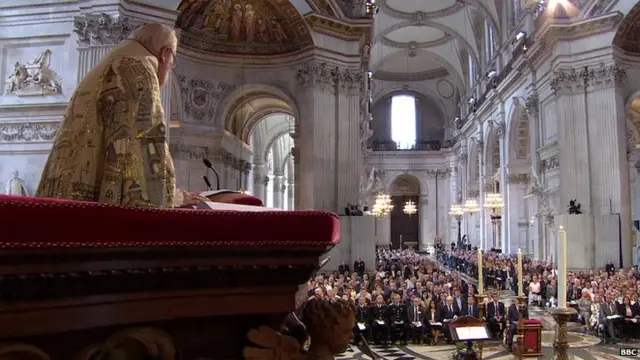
(330, 77)
(28, 131)
(202, 97)
(102, 29)
(518, 179)
(35, 78)
(473, 193)
(551, 163)
(439, 173)
(197, 152)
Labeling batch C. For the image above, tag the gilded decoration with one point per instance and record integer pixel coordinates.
(101, 29)
(34, 78)
(247, 27)
(24, 132)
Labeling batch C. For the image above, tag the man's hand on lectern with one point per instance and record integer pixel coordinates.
(193, 198)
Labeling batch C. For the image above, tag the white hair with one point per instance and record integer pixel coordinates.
(155, 36)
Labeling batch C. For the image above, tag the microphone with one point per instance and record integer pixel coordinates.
(207, 163)
(206, 181)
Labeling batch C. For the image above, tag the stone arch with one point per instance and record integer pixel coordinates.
(239, 120)
(266, 131)
(491, 152)
(626, 39)
(518, 135)
(405, 184)
(473, 163)
(459, 83)
(415, 90)
(281, 150)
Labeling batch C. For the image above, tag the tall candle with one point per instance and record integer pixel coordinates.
(562, 268)
(520, 289)
(480, 277)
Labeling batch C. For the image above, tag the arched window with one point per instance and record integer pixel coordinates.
(403, 121)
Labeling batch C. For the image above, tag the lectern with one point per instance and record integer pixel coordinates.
(468, 329)
(82, 280)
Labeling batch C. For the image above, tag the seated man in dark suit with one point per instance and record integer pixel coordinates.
(415, 316)
(448, 313)
(363, 321)
(380, 321)
(495, 316)
(471, 309)
(610, 317)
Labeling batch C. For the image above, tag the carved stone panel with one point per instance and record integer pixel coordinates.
(28, 132)
(34, 78)
(102, 29)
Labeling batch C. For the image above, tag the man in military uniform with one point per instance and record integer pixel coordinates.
(398, 320)
(363, 321)
(380, 323)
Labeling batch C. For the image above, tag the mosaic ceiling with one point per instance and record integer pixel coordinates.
(242, 27)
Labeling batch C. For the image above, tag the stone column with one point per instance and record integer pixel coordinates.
(278, 191)
(383, 231)
(350, 87)
(505, 228)
(423, 213)
(481, 194)
(428, 210)
(290, 195)
(259, 184)
(317, 138)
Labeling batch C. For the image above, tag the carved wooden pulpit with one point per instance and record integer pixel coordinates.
(84, 280)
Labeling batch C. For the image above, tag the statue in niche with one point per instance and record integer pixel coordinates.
(250, 21)
(372, 183)
(236, 23)
(34, 78)
(16, 186)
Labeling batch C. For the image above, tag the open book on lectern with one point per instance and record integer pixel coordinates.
(466, 333)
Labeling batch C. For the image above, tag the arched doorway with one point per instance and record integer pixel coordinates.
(405, 229)
(492, 185)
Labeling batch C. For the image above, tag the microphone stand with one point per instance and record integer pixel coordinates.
(208, 164)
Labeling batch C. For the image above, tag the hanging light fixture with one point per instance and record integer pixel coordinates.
(382, 206)
(471, 207)
(410, 208)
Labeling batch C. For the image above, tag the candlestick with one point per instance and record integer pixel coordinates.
(562, 268)
(480, 277)
(520, 289)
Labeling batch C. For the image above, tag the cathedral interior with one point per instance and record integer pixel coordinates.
(444, 123)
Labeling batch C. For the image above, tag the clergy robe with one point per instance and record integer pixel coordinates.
(111, 146)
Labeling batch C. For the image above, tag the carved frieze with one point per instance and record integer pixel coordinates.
(531, 105)
(549, 164)
(201, 97)
(24, 132)
(34, 78)
(439, 173)
(330, 78)
(570, 81)
(102, 29)
(199, 152)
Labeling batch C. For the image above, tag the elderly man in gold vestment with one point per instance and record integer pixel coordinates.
(111, 146)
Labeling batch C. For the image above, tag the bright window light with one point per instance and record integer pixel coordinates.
(403, 121)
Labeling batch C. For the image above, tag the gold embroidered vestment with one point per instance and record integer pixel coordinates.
(111, 146)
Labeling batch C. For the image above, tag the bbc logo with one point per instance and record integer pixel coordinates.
(631, 352)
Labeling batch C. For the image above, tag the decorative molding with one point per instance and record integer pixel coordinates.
(413, 45)
(202, 97)
(336, 28)
(26, 132)
(216, 155)
(531, 105)
(439, 173)
(420, 15)
(331, 77)
(473, 193)
(419, 76)
(34, 78)
(570, 81)
(551, 163)
(102, 29)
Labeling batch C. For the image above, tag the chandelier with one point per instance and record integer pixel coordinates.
(456, 211)
(471, 206)
(494, 202)
(410, 208)
(382, 206)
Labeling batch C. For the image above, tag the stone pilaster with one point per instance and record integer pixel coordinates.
(383, 231)
(259, 183)
(573, 137)
(505, 228)
(290, 196)
(278, 191)
(423, 213)
(609, 168)
(428, 217)
(481, 194)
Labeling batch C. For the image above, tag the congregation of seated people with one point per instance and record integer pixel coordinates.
(606, 299)
(408, 298)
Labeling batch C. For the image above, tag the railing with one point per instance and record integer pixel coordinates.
(388, 145)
